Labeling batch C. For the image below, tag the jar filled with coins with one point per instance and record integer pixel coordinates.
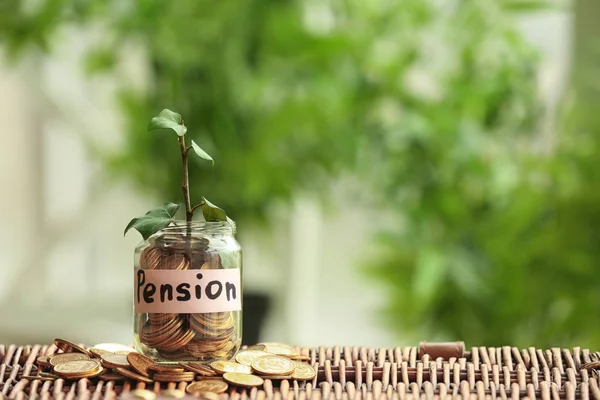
(188, 293)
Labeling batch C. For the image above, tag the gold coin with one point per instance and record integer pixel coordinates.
(178, 341)
(167, 377)
(141, 394)
(228, 366)
(150, 258)
(70, 347)
(246, 380)
(174, 261)
(277, 377)
(247, 356)
(303, 371)
(65, 357)
(209, 385)
(113, 360)
(140, 363)
(108, 375)
(98, 352)
(198, 368)
(279, 348)
(113, 347)
(165, 368)
(173, 393)
(78, 368)
(133, 375)
(273, 365)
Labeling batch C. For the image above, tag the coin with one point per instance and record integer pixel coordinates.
(64, 357)
(173, 393)
(140, 394)
(43, 361)
(246, 380)
(169, 377)
(247, 356)
(150, 258)
(133, 375)
(108, 375)
(277, 377)
(198, 368)
(303, 371)
(98, 352)
(228, 366)
(165, 368)
(279, 348)
(140, 363)
(209, 385)
(273, 365)
(70, 347)
(78, 368)
(113, 360)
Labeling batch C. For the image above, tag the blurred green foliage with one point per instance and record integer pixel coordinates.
(491, 230)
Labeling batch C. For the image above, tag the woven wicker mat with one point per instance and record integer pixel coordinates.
(359, 372)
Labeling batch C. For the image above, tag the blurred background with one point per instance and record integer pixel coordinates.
(398, 170)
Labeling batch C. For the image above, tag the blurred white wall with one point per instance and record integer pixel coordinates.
(66, 270)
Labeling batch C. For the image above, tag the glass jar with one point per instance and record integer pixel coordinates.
(188, 293)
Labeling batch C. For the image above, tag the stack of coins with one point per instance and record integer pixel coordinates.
(113, 362)
(186, 337)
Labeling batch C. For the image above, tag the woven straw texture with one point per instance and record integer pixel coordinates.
(359, 373)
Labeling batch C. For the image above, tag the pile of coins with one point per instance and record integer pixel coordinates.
(189, 337)
(113, 362)
(273, 361)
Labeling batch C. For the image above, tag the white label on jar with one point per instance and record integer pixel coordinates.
(187, 291)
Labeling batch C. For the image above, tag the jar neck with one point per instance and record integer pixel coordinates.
(221, 228)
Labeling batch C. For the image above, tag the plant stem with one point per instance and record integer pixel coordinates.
(197, 205)
(185, 183)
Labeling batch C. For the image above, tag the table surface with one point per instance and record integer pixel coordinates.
(359, 372)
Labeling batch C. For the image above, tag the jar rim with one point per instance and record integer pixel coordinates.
(179, 226)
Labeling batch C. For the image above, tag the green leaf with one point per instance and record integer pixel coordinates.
(167, 210)
(198, 150)
(154, 220)
(168, 119)
(211, 212)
